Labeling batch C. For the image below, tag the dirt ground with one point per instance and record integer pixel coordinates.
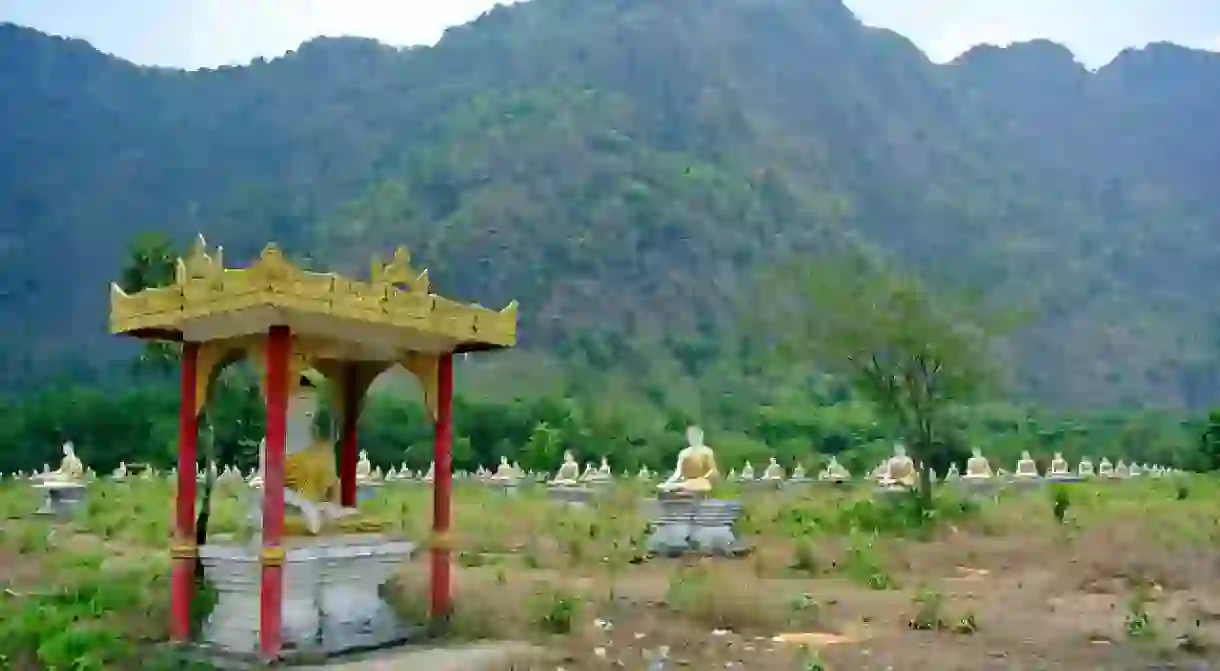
(1128, 580)
(1113, 594)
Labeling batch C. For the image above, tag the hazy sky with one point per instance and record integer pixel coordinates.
(199, 33)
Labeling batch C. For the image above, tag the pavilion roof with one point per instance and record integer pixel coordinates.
(392, 311)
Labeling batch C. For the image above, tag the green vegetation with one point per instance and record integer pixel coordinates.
(624, 169)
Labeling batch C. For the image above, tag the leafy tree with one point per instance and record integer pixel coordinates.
(917, 355)
(1209, 443)
(151, 262)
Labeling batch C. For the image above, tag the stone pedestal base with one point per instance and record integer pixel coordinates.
(1063, 479)
(980, 486)
(60, 499)
(687, 524)
(332, 602)
(366, 491)
(575, 495)
(505, 487)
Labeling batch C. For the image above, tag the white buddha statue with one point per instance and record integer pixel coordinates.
(953, 473)
(1136, 471)
(834, 472)
(900, 469)
(603, 470)
(1027, 468)
(747, 473)
(569, 472)
(119, 473)
(798, 473)
(643, 475)
(696, 469)
(977, 466)
(1122, 471)
(392, 474)
(1059, 467)
(1105, 469)
(504, 472)
(1085, 468)
(364, 468)
(70, 470)
(431, 474)
(774, 472)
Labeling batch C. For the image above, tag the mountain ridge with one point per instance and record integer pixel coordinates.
(644, 160)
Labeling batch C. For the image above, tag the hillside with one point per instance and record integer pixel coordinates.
(623, 167)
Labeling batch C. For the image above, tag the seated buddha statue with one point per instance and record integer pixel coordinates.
(1136, 469)
(1059, 467)
(747, 473)
(568, 473)
(798, 473)
(603, 470)
(834, 472)
(1122, 470)
(311, 482)
(643, 475)
(70, 470)
(504, 472)
(977, 466)
(900, 469)
(1027, 468)
(774, 472)
(1085, 468)
(364, 468)
(953, 473)
(119, 473)
(696, 467)
(1105, 469)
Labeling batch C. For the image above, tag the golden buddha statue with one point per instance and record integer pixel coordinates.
(311, 481)
(696, 468)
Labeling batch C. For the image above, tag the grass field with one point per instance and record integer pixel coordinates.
(1129, 578)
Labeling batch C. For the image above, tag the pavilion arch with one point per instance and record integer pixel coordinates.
(286, 319)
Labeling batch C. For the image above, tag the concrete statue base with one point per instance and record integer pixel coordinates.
(690, 524)
(332, 594)
(571, 494)
(60, 499)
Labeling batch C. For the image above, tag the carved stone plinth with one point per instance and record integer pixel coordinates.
(367, 491)
(691, 524)
(60, 499)
(980, 486)
(570, 494)
(505, 487)
(332, 601)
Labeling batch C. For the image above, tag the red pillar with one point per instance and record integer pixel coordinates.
(279, 346)
(183, 551)
(442, 601)
(348, 446)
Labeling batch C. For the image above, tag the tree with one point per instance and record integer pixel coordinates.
(151, 262)
(1209, 444)
(916, 354)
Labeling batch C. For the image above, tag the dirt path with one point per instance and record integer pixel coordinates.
(472, 657)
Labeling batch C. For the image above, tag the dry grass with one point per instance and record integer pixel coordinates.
(1130, 577)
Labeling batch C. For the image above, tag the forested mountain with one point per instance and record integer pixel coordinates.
(622, 167)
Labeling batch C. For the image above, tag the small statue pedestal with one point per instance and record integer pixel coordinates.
(367, 491)
(505, 487)
(981, 486)
(60, 498)
(1027, 481)
(332, 602)
(571, 494)
(688, 523)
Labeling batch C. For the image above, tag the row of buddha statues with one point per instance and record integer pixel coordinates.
(695, 463)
